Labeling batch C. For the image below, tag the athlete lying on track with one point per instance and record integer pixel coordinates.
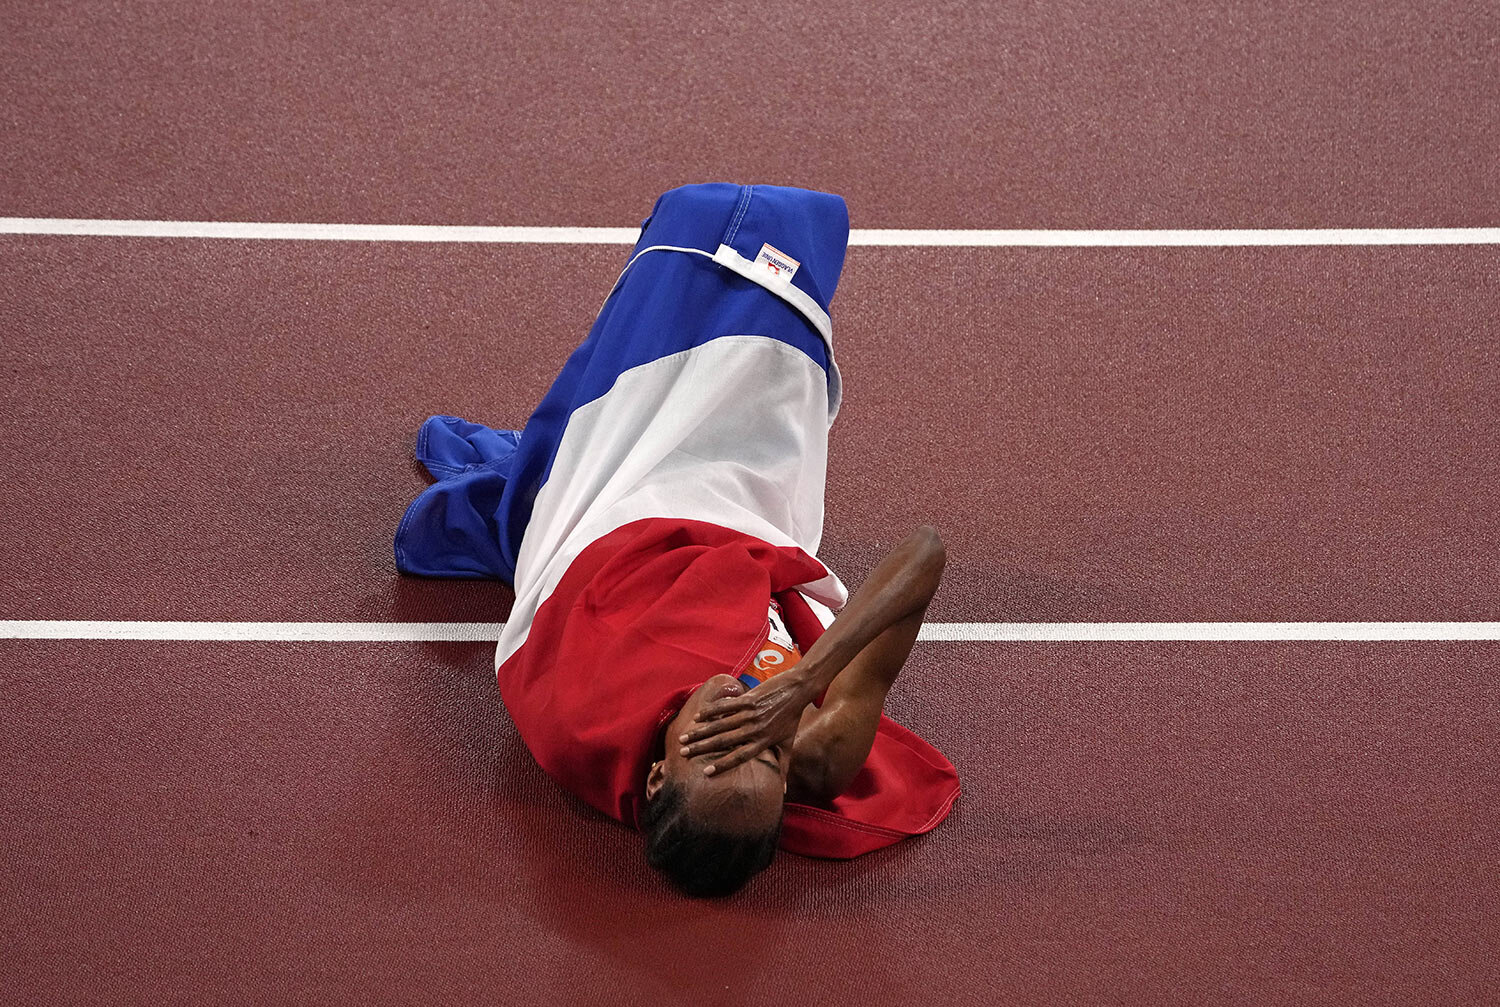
(734, 756)
(659, 516)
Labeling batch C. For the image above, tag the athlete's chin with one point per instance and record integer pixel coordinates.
(722, 686)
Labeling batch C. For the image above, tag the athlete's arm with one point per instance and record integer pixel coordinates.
(834, 739)
(898, 591)
(883, 617)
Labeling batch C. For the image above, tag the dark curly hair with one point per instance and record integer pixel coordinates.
(704, 863)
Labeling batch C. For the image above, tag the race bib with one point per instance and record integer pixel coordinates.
(776, 655)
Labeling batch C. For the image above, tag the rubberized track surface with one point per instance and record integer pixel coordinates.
(221, 430)
(1183, 823)
(1069, 114)
(1118, 434)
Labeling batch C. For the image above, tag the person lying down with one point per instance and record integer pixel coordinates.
(673, 655)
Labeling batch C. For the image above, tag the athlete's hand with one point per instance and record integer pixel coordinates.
(744, 726)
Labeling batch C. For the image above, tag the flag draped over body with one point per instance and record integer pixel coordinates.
(669, 485)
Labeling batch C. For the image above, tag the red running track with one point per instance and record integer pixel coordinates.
(1163, 824)
(1102, 434)
(223, 430)
(1159, 113)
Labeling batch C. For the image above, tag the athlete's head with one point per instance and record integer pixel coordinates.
(709, 834)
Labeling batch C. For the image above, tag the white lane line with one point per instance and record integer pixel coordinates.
(319, 232)
(1220, 239)
(332, 632)
(336, 632)
(627, 235)
(1011, 632)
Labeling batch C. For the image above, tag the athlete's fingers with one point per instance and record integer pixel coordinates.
(747, 735)
(723, 707)
(723, 741)
(703, 746)
(735, 758)
(700, 732)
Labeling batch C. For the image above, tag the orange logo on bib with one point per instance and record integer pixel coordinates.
(776, 655)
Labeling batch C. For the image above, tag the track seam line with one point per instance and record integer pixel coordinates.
(888, 237)
(964, 632)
